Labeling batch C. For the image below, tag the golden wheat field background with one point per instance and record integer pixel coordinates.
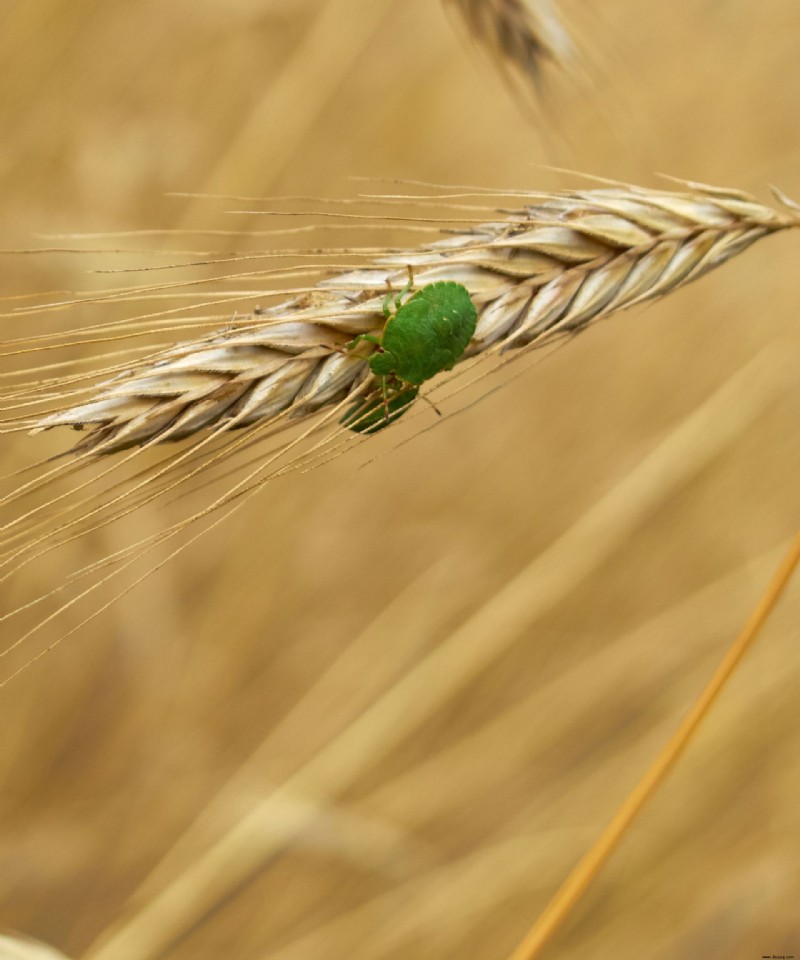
(394, 698)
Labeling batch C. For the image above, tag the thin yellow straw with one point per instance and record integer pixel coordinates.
(581, 877)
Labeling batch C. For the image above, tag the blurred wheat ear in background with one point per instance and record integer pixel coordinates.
(522, 35)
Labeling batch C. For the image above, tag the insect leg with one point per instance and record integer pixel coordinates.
(385, 399)
(398, 299)
(387, 300)
(351, 345)
(432, 404)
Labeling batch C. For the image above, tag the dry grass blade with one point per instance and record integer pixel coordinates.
(542, 271)
(520, 34)
(581, 877)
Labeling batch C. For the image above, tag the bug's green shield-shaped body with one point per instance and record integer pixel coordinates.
(427, 334)
(370, 414)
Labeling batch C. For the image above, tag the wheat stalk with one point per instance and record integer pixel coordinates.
(544, 270)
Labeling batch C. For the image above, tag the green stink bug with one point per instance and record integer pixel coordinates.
(424, 336)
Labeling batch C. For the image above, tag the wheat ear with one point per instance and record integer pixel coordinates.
(544, 270)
